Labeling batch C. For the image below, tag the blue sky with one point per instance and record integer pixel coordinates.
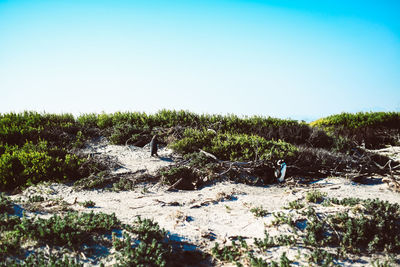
(281, 58)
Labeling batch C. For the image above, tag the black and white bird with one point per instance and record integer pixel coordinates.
(280, 171)
(153, 146)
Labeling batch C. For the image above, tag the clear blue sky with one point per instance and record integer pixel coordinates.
(283, 58)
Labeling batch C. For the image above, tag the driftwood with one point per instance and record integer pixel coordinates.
(210, 155)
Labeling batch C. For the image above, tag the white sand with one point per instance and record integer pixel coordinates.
(215, 213)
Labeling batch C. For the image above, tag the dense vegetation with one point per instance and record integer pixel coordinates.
(38, 147)
(143, 243)
(374, 129)
(228, 146)
(31, 163)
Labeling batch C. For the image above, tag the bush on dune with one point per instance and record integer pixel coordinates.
(234, 147)
(30, 142)
(120, 125)
(33, 163)
(375, 129)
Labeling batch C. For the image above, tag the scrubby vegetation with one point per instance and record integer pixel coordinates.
(373, 129)
(234, 147)
(361, 227)
(33, 163)
(143, 243)
(38, 147)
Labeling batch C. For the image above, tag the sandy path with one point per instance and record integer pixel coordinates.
(132, 158)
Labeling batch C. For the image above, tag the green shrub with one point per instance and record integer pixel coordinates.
(295, 205)
(130, 134)
(315, 196)
(30, 164)
(16, 128)
(149, 248)
(88, 204)
(266, 127)
(233, 146)
(5, 204)
(242, 252)
(375, 129)
(35, 198)
(124, 185)
(376, 228)
(193, 140)
(152, 253)
(320, 257)
(259, 211)
(361, 120)
(70, 230)
(40, 259)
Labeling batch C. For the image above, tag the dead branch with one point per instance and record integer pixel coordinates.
(225, 172)
(172, 187)
(210, 155)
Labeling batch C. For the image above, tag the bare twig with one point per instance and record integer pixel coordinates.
(175, 184)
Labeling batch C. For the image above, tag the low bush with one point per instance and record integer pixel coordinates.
(35, 198)
(88, 204)
(234, 147)
(69, 230)
(149, 248)
(41, 259)
(33, 163)
(130, 134)
(374, 129)
(5, 204)
(16, 128)
(295, 205)
(241, 252)
(315, 196)
(269, 128)
(377, 228)
(259, 211)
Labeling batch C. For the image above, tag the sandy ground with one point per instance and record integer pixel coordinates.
(217, 213)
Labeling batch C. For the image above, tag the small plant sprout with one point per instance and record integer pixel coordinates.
(259, 211)
(88, 204)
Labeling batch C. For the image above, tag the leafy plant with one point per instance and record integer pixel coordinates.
(315, 196)
(36, 198)
(233, 146)
(33, 163)
(5, 204)
(259, 211)
(374, 129)
(88, 204)
(41, 259)
(295, 204)
(320, 257)
(148, 249)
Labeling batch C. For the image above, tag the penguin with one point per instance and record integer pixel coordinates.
(280, 171)
(153, 146)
